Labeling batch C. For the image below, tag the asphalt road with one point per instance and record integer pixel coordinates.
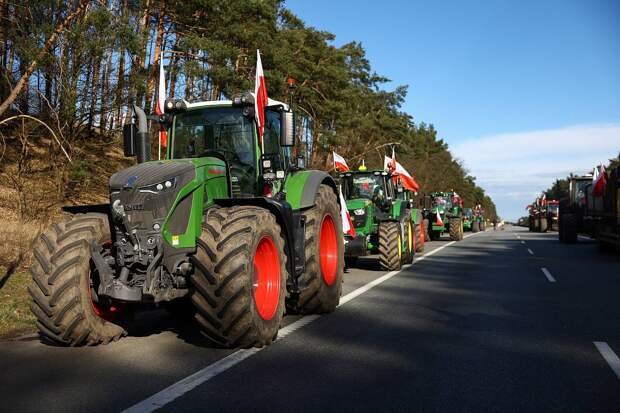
(471, 326)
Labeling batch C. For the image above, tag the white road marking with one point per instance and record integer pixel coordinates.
(530, 251)
(610, 357)
(178, 389)
(548, 275)
(522, 242)
(585, 238)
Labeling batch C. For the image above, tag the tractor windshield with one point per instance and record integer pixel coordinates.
(368, 186)
(442, 201)
(225, 131)
(467, 212)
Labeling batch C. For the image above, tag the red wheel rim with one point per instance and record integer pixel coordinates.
(266, 283)
(328, 250)
(106, 311)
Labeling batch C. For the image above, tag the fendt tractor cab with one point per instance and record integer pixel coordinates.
(468, 218)
(228, 227)
(383, 216)
(444, 212)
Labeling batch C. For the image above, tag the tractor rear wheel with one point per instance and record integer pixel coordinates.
(321, 281)
(419, 237)
(561, 231)
(456, 229)
(64, 298)
(570, 228)
(475, 227)
(390, 246)
(426, 224)
(543, 225)
(239, 279)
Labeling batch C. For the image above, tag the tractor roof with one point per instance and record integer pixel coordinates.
(367, 172)
(227, 102)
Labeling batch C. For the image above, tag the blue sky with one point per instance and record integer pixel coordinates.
(488, 73)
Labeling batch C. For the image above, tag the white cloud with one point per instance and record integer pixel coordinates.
(514, 167)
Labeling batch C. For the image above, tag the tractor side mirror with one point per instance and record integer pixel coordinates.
(287, 129)
(130, 131)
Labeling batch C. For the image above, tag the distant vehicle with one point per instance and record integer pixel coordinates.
(468, 218)
(444, 213)
(584, 213)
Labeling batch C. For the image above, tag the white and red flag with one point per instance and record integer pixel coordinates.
(260, 97)
(340, 164)
(159, 105)
(398, 171)
(438, 220)
(347, 223)
(599, 180)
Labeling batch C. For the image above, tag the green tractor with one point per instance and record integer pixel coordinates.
(228, 229)
(468, 219)
(444, 213)
(384, 219)
(478, 221)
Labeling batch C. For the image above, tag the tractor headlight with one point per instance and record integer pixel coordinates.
(159, 187)
(359, 212)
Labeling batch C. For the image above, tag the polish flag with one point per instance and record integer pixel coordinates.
(398, 171)
(438, 220)
(347, 223)
(599, 180)
(161, 98)
(339, 163)
(260, 96)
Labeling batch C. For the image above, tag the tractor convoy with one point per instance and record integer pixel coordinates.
(230, 228)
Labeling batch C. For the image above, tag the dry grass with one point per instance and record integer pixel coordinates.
(35, 182)
(15, 244)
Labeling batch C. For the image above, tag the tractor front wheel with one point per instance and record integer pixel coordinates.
(64, 298)
(321, 282)
(456, 229)
(390, 248)
(239, 279)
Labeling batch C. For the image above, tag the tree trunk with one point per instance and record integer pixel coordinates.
(138, 66)
(93, 90)
(23, 81)
(150, 87)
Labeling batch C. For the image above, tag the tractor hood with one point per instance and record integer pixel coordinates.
(359, 203)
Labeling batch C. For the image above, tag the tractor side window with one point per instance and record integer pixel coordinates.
(271, 137)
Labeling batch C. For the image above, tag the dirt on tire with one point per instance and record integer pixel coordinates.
(63, 294)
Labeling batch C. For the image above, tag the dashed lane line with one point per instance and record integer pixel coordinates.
(548, 275)
(181, 387)
(530, 251)
(610, 357)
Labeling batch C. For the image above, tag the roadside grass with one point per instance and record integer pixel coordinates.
(15, 316)
(15, 245)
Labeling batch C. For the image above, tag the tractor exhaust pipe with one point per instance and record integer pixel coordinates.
(143, 141)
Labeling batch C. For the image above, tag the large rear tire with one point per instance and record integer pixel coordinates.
(570, 228)
(239, 279)
(456, 229)
(475, 227)
(389, 246)
(64, 298)
(321, 281)
(427, 225)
